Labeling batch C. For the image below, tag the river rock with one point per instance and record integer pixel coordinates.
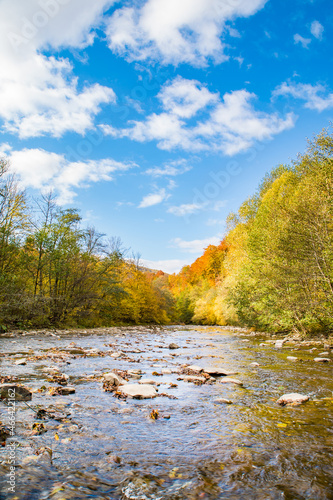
(166, 371)
(19, 393)
(229, 380)
(116, 354)
(173, 346)
(148, 381)
(292, 358)
(139, 391)
(195, 368)
(322, 360)
(279, 343)
(292, 398)
(218, 371)
(223, 401)
(65, 391)
(113, 379)
(4, 433)
(193, 378)
(21, 361)
(254, 364)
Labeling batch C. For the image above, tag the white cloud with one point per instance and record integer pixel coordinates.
(39, 94)
(170, 169)
(154, 198)
(185, 209)
(167, 266)
(195, 246)
(43, 170)
(229, 124)
(315, 96)
(303, 41)
(173, 32)
(317, 30)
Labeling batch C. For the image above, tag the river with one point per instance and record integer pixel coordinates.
(198, 448)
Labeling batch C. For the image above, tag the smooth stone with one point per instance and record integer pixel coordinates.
(116, 355)
(139, 391)
(326, 353)
(279, 343)
(22, 361)
(222, 401)
(66, 391)
(254, 364)
(292, 398)
(229, 380)
(166, 371)
(134, 372)
(322, 360)
(21, 393)
(173, 346)
(218, 371)
(195, 368)
(114, 379)
(193, 378)
(292, 358)
(148, 381)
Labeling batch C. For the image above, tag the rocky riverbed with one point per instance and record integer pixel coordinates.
(165, 413)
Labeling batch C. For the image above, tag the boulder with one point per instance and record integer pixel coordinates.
(15, 392)
(293, 398)
(138, 391)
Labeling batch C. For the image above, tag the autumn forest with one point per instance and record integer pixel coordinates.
(272, 272)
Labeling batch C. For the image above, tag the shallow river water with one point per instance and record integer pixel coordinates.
(109, 448)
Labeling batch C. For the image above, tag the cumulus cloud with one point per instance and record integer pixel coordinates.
(154, 198)
(206, 122)
(316, 97)
(45, 171)
(195, 246)
(305, 42)
(176, 32)
(38, 93)
(317, 30)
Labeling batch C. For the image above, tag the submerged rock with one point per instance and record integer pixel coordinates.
(223, 401)
(193, 378)
(195, 368)
(293, 398)
(138, 391)
(114, 379)
(15, 392)
(229, 380)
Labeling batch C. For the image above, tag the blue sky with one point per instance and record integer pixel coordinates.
(156, 118)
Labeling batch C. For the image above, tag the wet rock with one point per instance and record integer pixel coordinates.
(293, 398)
(21, 361)
(61, 379)
(292, 358)
(322, 360)
(173, 346)
(114, 379)
(134, 372)
(148, 381)
(195, 368)
(326, 353)
(193, 378)
(38, 429)
(229, 380)
(63, 391)
(4, 434)
(166, 371)
(223, 401)
(218, 371)
(116, 354)
(15, 392)
(254, 364)
(138, 391)
(279, 343)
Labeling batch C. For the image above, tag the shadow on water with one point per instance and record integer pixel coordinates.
(108, 448)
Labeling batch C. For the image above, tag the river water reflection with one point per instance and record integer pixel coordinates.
(109, 448)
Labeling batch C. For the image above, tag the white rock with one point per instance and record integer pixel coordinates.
(195, 368)
(166, 371)
(292, 398)
(279, 343)
(322, 360)
(148, 381)
(222, 401)
(292, 358)
(229, 380)
(22, 361)
(114, 379)
(254, 364)
(116, 354)
(193, 378)
(139, 391)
